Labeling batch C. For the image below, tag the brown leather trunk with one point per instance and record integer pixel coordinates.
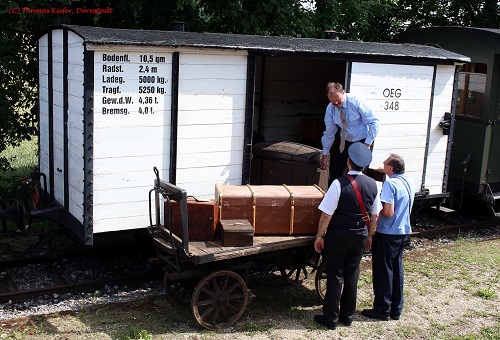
(277, 163)
(236, 233)
(272, 209)
(202, 219)
(306, 200)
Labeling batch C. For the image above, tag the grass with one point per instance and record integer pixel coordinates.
(134, 333)
(443, 310)
(23, 160)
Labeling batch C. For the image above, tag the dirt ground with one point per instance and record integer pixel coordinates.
(451, 292)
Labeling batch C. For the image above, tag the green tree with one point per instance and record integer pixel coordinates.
(469, 13)
(357, 19)
(366, 20)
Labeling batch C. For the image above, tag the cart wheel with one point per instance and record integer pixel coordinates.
(176, 290)
(299, 266)
(320, 280)
(219, 299)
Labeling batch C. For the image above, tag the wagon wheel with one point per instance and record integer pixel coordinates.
(320, 280)
(219, 299)
(178, 290)
(299, 266)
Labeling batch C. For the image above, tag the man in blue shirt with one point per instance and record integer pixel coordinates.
(392, 234)
(361, 125)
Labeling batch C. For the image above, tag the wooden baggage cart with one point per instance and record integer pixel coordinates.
(214, 278)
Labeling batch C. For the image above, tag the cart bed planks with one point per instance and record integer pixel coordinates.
(209, 251)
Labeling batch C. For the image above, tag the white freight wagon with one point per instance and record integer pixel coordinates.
(115, 103)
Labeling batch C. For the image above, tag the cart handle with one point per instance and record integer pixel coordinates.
(169, 191)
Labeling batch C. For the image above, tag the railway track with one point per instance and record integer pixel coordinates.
(97, 271)
(13, 294)
(76, 273)
(456, 228)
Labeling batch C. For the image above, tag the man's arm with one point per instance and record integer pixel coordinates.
(368, 117)
(330, 131)
(371, 232)
(387, 210)
(324, 221)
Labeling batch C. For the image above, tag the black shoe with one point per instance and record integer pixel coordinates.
(395, 316)
(345, 321)
(322, 320)
(373, 314)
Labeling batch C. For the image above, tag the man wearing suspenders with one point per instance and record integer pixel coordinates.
(392, 234)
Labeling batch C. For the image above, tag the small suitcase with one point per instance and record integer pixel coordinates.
(202, 219)
(236, 233)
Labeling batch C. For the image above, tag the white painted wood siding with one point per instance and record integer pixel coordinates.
(75, 125)
(43, 91)
(128, 145)
(400, 96)
(58, 114)
(438, 143)
(212, 93)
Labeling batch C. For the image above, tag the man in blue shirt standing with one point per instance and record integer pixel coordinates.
(354, 119)
(392, 234)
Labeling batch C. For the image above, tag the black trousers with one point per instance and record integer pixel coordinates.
(388, 273)
(342, 256)
(338, 162)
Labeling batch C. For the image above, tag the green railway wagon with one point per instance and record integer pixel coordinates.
(475, 155)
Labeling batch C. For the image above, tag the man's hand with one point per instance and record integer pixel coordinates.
(368, 244)
(324, 162)
(367, 145)
(319, 244)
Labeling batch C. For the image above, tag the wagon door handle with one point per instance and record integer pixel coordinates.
(445, 123)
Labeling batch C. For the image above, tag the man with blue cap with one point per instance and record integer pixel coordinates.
(343, 234)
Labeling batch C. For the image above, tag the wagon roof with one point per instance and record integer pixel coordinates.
(491, 33)
(262, 44)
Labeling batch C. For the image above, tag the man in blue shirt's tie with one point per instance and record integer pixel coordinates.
(361, 125)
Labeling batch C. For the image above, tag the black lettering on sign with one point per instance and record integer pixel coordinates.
(391, 93)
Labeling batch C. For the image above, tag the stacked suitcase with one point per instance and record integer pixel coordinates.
(272, 209)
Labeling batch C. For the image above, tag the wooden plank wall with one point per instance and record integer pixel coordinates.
(58, 114)
(43, 119)
(401, 98)
(212, 90)
(128, 145)
(438, 143)
(75, 125)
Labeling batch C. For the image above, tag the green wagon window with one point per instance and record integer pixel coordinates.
(471, 88)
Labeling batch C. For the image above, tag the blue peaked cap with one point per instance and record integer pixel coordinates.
(360, 154)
